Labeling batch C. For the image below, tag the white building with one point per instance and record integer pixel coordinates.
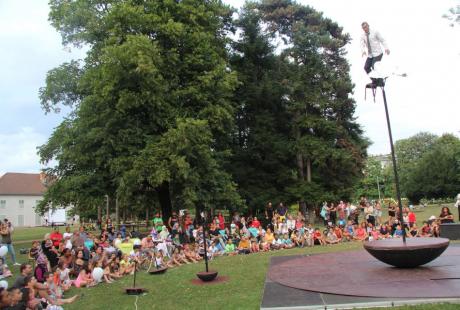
(19, 194)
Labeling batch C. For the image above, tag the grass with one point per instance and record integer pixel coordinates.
(174, 290)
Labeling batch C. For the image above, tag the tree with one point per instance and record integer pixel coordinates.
(328, 144)
(375, 179)
(261, 164)
(453, 15)
(408, 153)
(297, 140)
(149, 63)
(437, 173)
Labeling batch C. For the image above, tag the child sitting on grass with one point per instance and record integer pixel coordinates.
(4, 271)
(55, 293)
(126, 266)
(230, 248)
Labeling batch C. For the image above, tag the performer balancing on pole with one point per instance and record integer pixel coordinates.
(371, 46)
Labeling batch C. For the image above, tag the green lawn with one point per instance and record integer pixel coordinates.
(174, 289)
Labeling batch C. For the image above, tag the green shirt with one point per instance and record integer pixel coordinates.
(125, 247)
(158, 223)
(229, 247)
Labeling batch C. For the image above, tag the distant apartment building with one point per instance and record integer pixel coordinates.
(19, 194)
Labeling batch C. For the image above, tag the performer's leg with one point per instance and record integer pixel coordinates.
(374, 60)
(368, 65)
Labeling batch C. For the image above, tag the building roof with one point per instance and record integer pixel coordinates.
(21, 184)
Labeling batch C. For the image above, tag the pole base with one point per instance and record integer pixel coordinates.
(207, 276)
(135, 290)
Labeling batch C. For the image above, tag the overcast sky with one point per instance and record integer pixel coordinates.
(421, 43)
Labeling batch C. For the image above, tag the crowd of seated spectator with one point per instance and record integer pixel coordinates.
(61, 261)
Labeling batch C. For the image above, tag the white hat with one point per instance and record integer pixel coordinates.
(432, 217)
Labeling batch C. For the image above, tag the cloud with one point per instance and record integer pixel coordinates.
(19, 151)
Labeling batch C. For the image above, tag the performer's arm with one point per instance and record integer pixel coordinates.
(363, 46)
(383, 42)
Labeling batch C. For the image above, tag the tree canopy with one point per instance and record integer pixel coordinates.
(182, 104)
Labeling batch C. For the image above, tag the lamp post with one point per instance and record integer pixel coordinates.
(381, 83)
(207, 275)
(416, 251)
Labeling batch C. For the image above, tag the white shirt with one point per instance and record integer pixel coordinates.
(376, 41)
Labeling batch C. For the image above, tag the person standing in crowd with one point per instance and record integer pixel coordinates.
(56, 237)
(158, 222)
(457, 205)
(173, 220)
(221, 218)
(282, 211)
(269, 212)
(371, 46)
(6, 230)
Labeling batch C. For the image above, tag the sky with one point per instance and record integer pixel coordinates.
(421, 42)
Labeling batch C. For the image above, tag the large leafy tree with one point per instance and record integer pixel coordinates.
(408, 153)
(150, 68)
(297, 138)
(262, 150)
(328, 144)
(437, 173)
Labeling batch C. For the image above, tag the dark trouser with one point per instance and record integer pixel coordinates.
(333, 217)
(371, 220)
(370, 61)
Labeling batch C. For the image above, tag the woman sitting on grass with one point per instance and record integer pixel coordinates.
(446, 216)
(413, 231)
(398, 232)
(268, 239)
(64, 276)
(331, 237)
(425, 231)
(174, 260)
(189, 254)
(308, 237)
(84, 278)
(55, 293)
(244, 246)
(360, 232)
(255, 248)
(318, 238)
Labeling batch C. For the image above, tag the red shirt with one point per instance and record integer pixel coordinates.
(255, 224)
(411, 217)
(56, 237)
(360, 232)
(221, 222)
(188, 221)
(317, 235)
(338, 233)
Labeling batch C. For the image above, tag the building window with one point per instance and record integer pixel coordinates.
(2, 204)
(21, 220)
(21, 204)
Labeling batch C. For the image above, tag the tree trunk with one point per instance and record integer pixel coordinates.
(308, 164)
(99, 213)
(107, 211)
(303, 209)
(164, 198)
(300, 167)
(117, 213)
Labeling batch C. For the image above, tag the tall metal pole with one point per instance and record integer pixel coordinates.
(204, 245)
(395, 170)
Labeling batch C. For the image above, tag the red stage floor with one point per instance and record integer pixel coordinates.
(357, 273)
